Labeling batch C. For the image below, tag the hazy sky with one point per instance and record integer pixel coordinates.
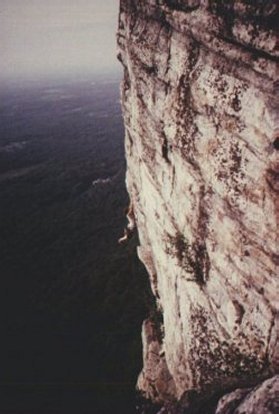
(57, 36)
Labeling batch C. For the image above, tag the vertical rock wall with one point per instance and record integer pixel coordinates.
(202, 139)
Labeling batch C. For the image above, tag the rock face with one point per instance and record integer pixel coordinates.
(202, 139)
(263, 399)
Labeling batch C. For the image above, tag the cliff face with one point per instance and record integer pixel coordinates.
(202, 139)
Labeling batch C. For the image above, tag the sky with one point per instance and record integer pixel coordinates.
(42, 37)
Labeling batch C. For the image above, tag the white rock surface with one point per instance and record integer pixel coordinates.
(201, 117)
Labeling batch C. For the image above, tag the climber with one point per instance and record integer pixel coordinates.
(127, 235)
(131, 217)
(129, 230)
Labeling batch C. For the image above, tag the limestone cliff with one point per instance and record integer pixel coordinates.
(202, 139)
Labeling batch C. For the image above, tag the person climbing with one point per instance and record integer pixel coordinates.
(129, 229)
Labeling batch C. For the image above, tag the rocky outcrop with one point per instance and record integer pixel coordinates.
(263, 399)
(202, 139)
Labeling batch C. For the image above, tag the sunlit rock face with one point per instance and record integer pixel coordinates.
(202, 139)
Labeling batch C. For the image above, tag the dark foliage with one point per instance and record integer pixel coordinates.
(191, 257)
